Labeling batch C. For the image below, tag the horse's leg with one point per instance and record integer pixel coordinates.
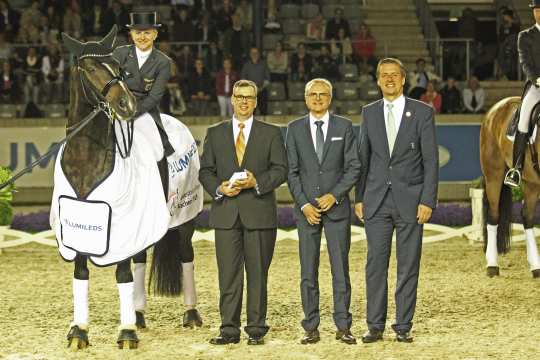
(531, 193)
(139, 296)
(124, 280)
(78, 332)
(191, 315)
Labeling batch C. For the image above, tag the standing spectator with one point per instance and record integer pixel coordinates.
(185, 61)
(364, 45)
(55, 17)
(245, 11)
(213, 59)
(326, 65)
(203, 6)
(301, 64)
(432, 97)
(31, 15)
(256, 70)
(9, 20)
(72, 22)
(225, 80)
(116, 14)
(418, 79)
(53, 73)
(474, 97)
(507, 56)
(467, 24)
(278, 64)
(338, 22)
(94, 22)
(205, 31)
(200, 89)
(33, 76)
(9, 87)
(236, 42)
(183, 28)
(224, 16)
(316, 28)
(451, 98)
(5, 48)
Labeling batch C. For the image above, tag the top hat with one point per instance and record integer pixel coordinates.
(143, 20)
(534, 4)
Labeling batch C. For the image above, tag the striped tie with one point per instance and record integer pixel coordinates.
(240, 144)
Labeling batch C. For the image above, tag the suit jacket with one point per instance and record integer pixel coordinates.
(148, 83)
(529, 52)
(412, 168)
(337, 173)
(264, 156)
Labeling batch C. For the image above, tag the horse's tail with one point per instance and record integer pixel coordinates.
(166, 268)
(505, 218)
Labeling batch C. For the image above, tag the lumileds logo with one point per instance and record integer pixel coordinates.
(86, 227)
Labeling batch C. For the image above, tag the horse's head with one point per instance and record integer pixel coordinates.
(100, 76)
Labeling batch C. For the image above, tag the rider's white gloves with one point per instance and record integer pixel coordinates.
(538, 82)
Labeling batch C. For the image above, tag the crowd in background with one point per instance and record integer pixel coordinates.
(34, 67)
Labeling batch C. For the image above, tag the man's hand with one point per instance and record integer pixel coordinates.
(312, 214)
(359, 211)
(229, 191)
(424, 213)
(326, 202)
(248, 183)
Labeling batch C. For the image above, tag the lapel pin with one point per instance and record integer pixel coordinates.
(408, 114)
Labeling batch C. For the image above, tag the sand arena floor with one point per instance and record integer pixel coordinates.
(461, 314)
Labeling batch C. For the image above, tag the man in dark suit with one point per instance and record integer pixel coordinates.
(146, 73)
(243, 213)
(529, 59)
(397, 190)
(323, 167)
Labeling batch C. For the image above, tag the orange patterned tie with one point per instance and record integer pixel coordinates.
(240, 144)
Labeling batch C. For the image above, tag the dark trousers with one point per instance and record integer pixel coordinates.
(379, 230)
(236, 249)
(338, 239)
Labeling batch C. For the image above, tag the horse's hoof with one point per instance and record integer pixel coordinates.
(536, 273)
(192, 319)
(77, 338)
(492, 271)
(127, 339)
(139, 320)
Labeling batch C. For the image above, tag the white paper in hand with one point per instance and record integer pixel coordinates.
(241, 175)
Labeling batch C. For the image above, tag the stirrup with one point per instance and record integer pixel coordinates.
(511, 176)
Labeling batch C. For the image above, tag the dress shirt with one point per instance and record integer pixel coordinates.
(142, 56)
(313, 127)
(397, 110)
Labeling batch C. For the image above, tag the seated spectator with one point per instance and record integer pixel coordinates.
(245, 11)
(205, 31)
(316, 28)
(31, 15)
(255, 69)
(364, 45)
(451, 98)
(474, 97)
(53, 73)
(419, 78)
(326, 65)
(200, 87)
(72, 21)
(278, 64)
(9, 86)
(338, 22)
(213, 59)
(183, 28)
(507, 58)
(272, 25)
(224, 16)
(236, 42)
(301, 64)
(9, 20)
(432, 97)
(342, 48)
(185, 61)
(32, 76)
(225, 80)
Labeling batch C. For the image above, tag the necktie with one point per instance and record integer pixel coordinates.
(474, 103)
(390, 128)
(240, 144)
(319, 140)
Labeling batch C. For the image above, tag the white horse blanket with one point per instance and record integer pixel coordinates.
(128, 212)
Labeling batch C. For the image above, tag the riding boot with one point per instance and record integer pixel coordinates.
(513, 176)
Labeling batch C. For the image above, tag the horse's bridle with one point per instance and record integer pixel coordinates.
(98, 96)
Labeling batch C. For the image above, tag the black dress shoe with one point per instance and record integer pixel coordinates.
(346, 337)
(224, 340)
(192, 319)
(372, 336)
(139, 320)
(404, 336)
(311, 337)
(256, 340)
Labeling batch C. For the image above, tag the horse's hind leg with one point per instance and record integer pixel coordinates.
(529, 208)
(78, 332)
(139, 296)
(127, 338)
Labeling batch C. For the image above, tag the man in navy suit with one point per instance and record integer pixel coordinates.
(397, 190)
(323, 167)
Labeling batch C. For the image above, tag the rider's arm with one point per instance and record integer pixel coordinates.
(146, 103)
(525, 49)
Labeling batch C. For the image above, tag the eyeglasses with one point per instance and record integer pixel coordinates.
(245, 98)
(318, 95)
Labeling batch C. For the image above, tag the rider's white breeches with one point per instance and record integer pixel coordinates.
(529, 101)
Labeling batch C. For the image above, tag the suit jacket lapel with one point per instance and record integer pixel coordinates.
(332, 132)
(381, 128)
(251, 142)
(133, 66)
(404, 126)
(229, 141)
(148, 62)
(309, 139)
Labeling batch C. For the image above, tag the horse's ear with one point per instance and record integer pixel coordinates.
(74, 46)
(109, 40)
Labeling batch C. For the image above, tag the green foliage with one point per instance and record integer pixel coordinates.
(6, 196)
(6, 213)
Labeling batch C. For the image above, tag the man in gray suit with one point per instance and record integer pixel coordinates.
(397, 190)
(323, 167)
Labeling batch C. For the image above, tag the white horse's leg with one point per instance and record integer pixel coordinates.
(127, 307)
(491, 249)
(532, 250)
(80, 303)
(139, 292)
(188, 281)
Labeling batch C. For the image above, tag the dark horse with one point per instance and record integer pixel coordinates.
(495, 159)
(88, 158)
